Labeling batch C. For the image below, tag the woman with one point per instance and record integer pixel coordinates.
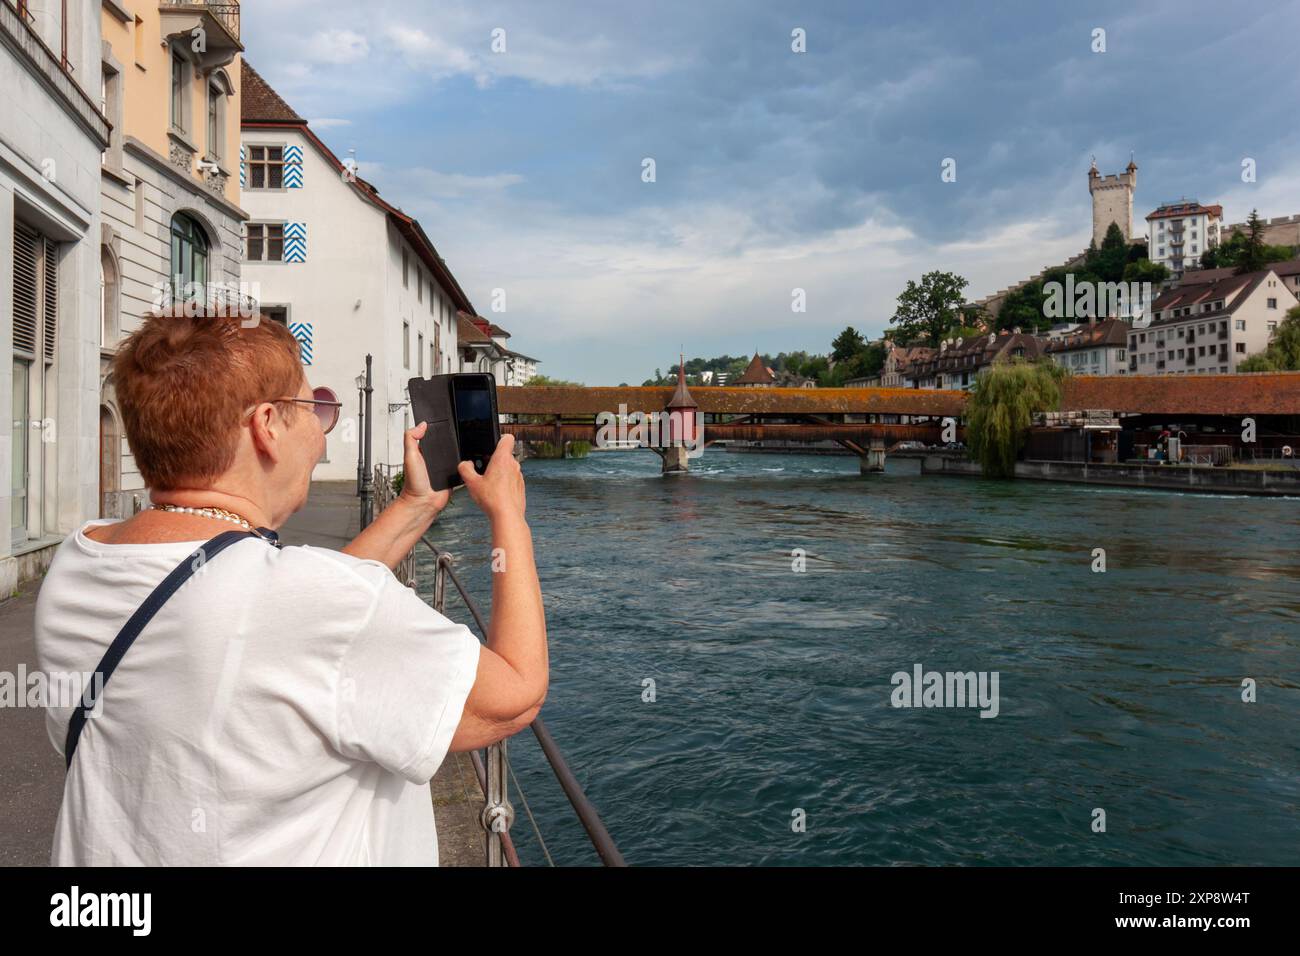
(285, 705)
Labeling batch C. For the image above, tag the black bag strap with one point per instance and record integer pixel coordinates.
(131, 630)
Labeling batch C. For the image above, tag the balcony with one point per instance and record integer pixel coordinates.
(1223, 334)
(218, 21)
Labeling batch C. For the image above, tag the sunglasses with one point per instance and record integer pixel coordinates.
(324, 403)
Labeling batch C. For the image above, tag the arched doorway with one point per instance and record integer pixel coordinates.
(110, 464)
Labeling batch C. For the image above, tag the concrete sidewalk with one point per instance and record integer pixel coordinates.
(31, 771)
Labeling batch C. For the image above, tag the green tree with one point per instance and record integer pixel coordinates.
(1283, 352)
(1253, 256)
(846, 345)
(1144, 270)
(1108, 262)
(547, 380)
(928, 309)
(1001, 408)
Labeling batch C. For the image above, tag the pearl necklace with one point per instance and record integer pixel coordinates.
(220, 513)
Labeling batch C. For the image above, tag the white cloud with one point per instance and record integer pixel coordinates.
(337, 46)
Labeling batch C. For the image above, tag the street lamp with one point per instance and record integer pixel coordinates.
(361, 418)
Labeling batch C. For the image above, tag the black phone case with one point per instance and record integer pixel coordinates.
(433, 401)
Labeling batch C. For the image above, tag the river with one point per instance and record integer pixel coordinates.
(1118, 691)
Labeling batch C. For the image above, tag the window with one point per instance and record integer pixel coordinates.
(1241, 348)
(189, 258)
(178, 92)
(434, 299)
(109, 297)
(406, 269)
(1272, 325)
(35, 331)
(111, 104)
(419, 353)
(436, 345)
(265, 167)
(1239, 324)
(137, 35)
(419, 286)
(406, 344)
(216, 120)
(1272, 303)
(264, 242)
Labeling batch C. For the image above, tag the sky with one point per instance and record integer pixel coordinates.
(774, 170)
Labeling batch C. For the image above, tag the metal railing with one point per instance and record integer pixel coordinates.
(226, 13)
(493, 770)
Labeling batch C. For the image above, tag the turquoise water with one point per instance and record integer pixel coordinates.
(1118, 690)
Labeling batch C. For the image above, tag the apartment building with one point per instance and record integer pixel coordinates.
(1095, 348)
(168, 186)
(1208, 327)
(52, 133)
(1178, 233)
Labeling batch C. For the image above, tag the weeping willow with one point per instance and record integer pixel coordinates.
(1001, 408)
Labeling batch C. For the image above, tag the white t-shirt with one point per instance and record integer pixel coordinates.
(283, 707)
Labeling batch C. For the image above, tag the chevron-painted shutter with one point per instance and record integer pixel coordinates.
(293, 167)
(295, 242)
(243, 175)
(302, 332)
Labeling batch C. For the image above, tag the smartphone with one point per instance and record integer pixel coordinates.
(474, 397)
(461, 412)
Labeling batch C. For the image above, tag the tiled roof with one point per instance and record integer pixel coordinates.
(977, 352)
(1193, 295)
(756, 374)
(1179, 209)
(1265, 393)
(1112, 332)
(468, 331)
(258, 102)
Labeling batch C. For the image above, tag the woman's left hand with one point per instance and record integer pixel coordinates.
(416, 488)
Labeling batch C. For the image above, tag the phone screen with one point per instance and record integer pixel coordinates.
(475, 424)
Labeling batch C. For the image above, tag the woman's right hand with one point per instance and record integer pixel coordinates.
(499, 491)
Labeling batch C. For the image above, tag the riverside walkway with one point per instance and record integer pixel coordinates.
(33, 770)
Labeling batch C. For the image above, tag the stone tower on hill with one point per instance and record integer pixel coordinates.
(1112, 201)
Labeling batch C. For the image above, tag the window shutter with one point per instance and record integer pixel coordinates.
(26, 288)
(293, 167)
(50, 299)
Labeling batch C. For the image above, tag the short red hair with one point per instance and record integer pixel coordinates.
(183, 384)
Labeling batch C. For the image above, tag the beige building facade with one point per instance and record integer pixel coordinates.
(171, 219)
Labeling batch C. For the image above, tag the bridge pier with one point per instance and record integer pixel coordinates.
(873, 461)
(674, 458)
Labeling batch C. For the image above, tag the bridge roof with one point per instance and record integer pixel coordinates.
(570, 400)
(1260, 393)
(1263, 393)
